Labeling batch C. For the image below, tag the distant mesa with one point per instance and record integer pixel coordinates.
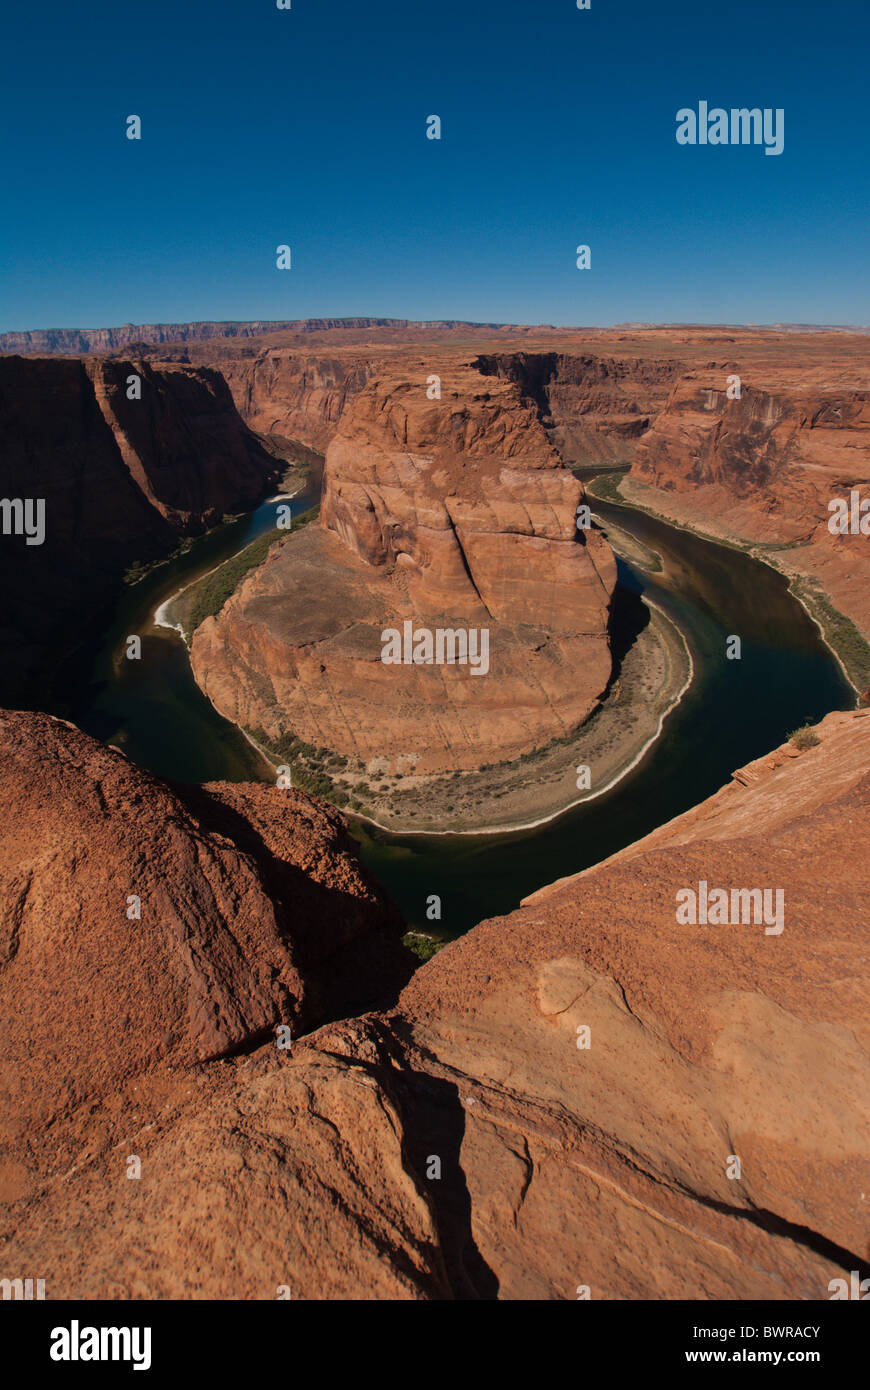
(84, 341)
(104, 340)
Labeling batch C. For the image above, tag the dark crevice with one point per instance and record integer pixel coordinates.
(465, 563)
(433, 1125)
(804, 1236)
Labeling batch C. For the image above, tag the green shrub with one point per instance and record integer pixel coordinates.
(423, 946)
(208, 597)
(212, 592)
(805, 737)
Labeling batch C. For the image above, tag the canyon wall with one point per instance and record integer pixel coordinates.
(76, 341)
(455, 513)
(293, 394)
(707, 1137)
(763, 468)
(122, 481)
(472, 1141)
(595, 407)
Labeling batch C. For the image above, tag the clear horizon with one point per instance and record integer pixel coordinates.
(308, 127)
(399, 319)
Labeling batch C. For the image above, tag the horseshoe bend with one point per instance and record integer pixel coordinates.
(454, 516)
(515, 553)
(434, 683)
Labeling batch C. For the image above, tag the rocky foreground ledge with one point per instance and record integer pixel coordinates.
(588, 1096)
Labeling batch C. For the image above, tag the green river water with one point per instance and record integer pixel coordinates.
(734, 711)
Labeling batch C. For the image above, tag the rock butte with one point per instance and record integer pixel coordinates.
(460, 514)
(559, 1167)
(455, 513)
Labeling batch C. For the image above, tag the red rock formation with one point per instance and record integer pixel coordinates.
(764, 467)
(293, 394)
(121, 480)
(595, 408)
(560, 1167)
(452, 513)
(146, 928)
(122, 488)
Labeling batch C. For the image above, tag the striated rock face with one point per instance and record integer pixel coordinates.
(100, 340)
(765, 467)
(295, 395)
(182, 442)
(147, 929)
(595, 408)
(121, 481)
(452, 513)
(560, 1167)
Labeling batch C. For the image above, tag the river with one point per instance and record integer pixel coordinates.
(734, 711)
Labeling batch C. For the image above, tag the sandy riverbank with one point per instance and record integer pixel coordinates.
(521, 795)
(166, 614)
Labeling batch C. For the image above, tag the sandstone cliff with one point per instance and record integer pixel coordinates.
(122, 480)
(452, 512)
(293, 394)
(558, 1168)
(76, 341)
(595, 408)
(763, 468)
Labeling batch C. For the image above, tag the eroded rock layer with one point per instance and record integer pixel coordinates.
(710, 1142)
(120, 479)
(453, 513)
(765, 468)
(595, 407)
(296, 395)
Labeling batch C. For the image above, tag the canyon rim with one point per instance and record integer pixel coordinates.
(434, 681)
(257, 973)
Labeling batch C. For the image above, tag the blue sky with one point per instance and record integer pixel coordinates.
(307, 127)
